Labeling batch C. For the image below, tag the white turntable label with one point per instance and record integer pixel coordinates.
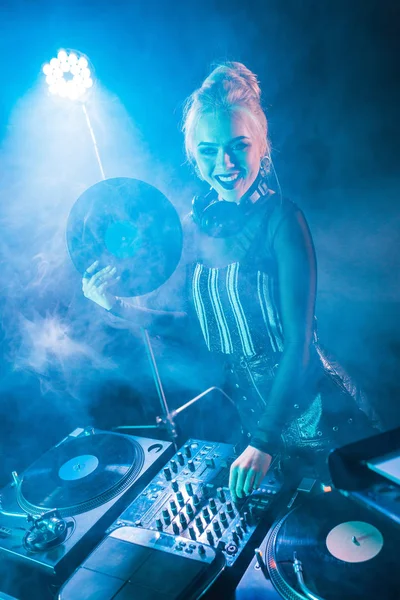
(78, 467)
(354, 541)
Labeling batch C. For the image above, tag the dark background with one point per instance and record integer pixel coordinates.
(330, 81)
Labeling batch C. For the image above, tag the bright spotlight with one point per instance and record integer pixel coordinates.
(68, 75)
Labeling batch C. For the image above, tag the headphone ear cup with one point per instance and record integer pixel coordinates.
(199, 204)
(197, 209)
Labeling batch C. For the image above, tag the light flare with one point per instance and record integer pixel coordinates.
(68, 75)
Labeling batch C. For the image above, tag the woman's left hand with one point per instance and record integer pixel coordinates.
(248, 471)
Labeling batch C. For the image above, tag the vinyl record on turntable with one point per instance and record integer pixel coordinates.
(346, 552)
(130, 225)
(80, 474)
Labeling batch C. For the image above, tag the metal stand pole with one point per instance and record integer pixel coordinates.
(166, 420)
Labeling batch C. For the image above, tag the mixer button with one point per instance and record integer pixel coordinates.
(189, 488)
(167, 473)
(175, 485)
(201, 550)
(191, 465)
(188, 450)
(174, 466)
(181, 459)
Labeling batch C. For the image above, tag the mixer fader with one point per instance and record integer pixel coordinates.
(190, 498)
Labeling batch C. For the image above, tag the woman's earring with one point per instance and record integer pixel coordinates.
(265, 165)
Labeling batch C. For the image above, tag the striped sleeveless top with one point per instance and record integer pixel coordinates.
(237, 305)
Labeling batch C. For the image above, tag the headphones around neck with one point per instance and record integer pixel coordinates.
(220, 218)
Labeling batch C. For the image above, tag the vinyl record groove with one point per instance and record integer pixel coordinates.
(346, 551)
(130, 225)
(80, 474)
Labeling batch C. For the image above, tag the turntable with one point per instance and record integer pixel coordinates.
(59, 508)
(325, 548)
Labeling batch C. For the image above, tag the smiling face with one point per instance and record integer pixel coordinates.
(227, 152)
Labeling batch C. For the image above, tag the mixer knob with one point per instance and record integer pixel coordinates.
(235, 537)
(159, 524)
(202, 550)
(191, 465)
(206, 514)
(179, 497)
(251, 516)
(221, 545)
(217, 528)
(229, 508)
(167, 473)
(189, 488)
(175, 528)
(188, 450)
(192, 532)
(189, 510)
(173, 506)
(224, 520)
(181, 459)
(243, 522)
(174, 466)
(199, 523)
(213, 506)
(210, 462)
(175, 485)
(221, 494)
(196, 500)
(239, 531)
(210, 538)
(166, 516)
(182, 519)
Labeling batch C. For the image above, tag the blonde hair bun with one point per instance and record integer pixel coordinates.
(230, 85)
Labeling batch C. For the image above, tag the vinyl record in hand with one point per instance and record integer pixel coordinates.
(128, 224)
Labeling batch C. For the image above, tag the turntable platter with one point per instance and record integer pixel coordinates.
(80, 474)
(345, 551)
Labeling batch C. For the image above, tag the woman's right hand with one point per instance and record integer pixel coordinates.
(95, 284)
